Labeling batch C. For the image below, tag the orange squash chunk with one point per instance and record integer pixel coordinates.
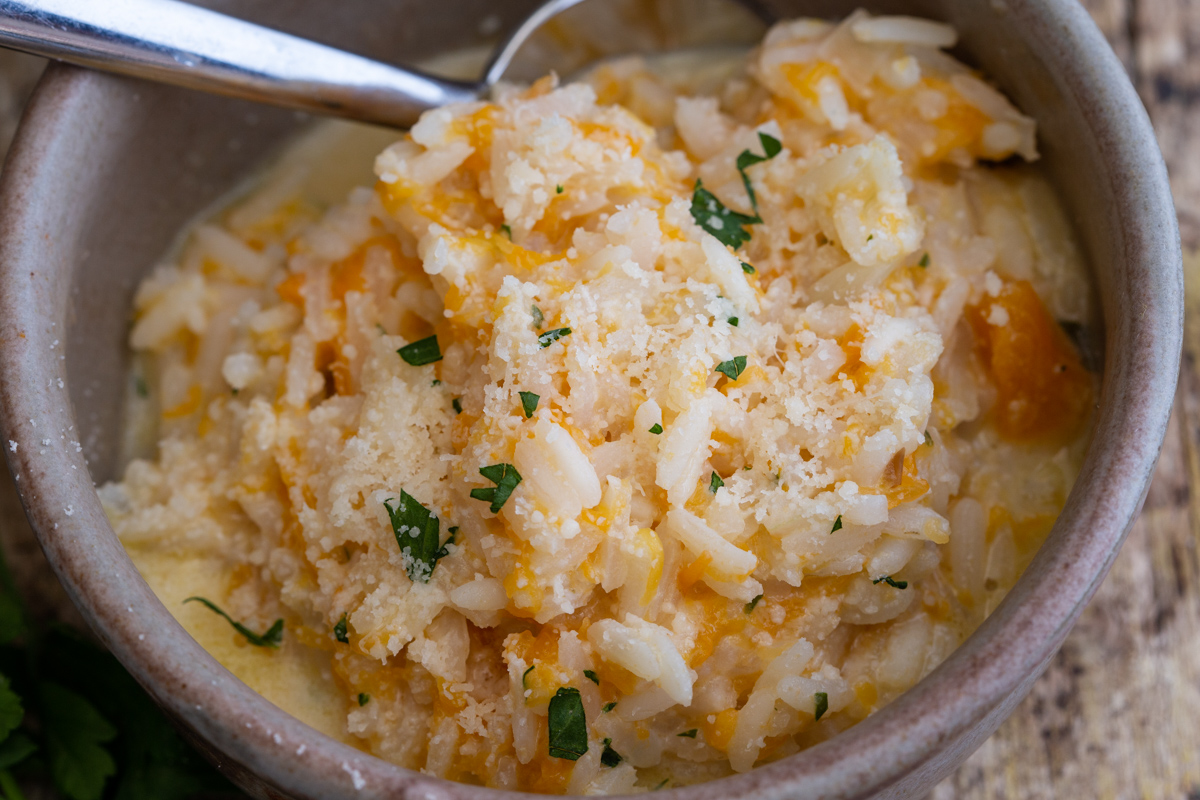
(1042, 389)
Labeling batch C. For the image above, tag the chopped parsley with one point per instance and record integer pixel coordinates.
(895, 584)
(456, 404)
(747, 268)
(732, 368)
(363, 699)
(592, 676)
(525, 675)
(771, 147)
(712, 215)
(271, 638)
(609, 707)
(661, 784)
(529, 403)
(435, 382)
(656, 429)
(506, 478)
(422, 352)
(550, 337)
(715, 482)
(567, 724)
(753, 604)
(339, 631)
(610, 757)
(733, 321)
(689, 734)
(417, 533)
(507, 231)
(837, 524)
(924, 262)
(538, 317)
(820, 705)
(928, 439)
(558, 189)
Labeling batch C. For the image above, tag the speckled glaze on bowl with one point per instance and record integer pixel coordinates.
(106, 170)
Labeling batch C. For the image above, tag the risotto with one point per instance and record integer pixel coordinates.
(627, 433)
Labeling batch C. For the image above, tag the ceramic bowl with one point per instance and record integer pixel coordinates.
(105, 171)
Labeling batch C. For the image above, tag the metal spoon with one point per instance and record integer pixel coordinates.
(182, 44)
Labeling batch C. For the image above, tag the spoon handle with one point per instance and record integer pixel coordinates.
(182, 44)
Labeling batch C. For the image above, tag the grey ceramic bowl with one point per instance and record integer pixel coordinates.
(106, 170)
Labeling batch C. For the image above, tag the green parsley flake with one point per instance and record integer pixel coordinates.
(339, 631)
(746, 268)
(924, 262)
(656, 429)
(733, 321)
(506, 478)
(538, 318)
(525, 675)
(928, 439)
(771, 148)
(507, 231)
(712, 215)
(688, 734)
(661, 785)
(271, 638)
(422, 352)
(837, 524)
(567, 725)
(417, 532)
(753, 604)
(529, 402)
(715, 482)
(558, 189)
(895, 584)
(820, 705)
(550, 337)
(610, 757)
(363, 699)
(591, 676)
(732, 368)
(456, 404)
(436, 382)
(609, 707)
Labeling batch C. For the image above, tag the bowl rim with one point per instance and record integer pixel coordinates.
(982, 679)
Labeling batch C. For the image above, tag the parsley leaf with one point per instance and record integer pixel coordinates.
(715, 482)
(592, 676)
(837, 524)
(75, 733)
(712, 215)
(11, 711)
(609, 707)
(15, 749)
(525, 675)
(928, 439)
(417, 533)
(753, 604)
(895, 584)
(820, 705)
(421, 352)
(558, 189)
(550, 337)
(732, 368)
(924, 262)
(507, 231)
(339, 631)
(363, 699)
(538, 317)
(529, 403)
(567, 725)
(506, 478)
(610, 757)
(688, 734)
(733, 321)
(747, 268)
(771, 147)
(456, 404)
(656, 429)
(272, 637)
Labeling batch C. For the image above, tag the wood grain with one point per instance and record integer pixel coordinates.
(1117, 715)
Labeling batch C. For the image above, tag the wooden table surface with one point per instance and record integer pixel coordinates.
(1117, 715)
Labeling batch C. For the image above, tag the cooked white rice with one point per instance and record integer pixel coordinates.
(758, 487)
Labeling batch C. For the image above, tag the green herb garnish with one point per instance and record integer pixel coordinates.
(339, 631)
(525, 675)
(771, 147)
(363, 699)
(715, 482)
(820, 705)
(417, 533)
(747, 268)
(550, 337)
(592, 676)
(610, 757)
(689, 734)
(837, 524)
(538, 317)
(506, 478)
(609, 707)
(422, 352)
(733, 367)
(924, 262)
(507, 231)
(567, 724)
(733, 321)
(712, 215)
(895, 584)
(529, 402)
(435, 382)
(558, 189)
(271, 638)
(928, 439)
(456, 404)
(656, 429)
(753, 604)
